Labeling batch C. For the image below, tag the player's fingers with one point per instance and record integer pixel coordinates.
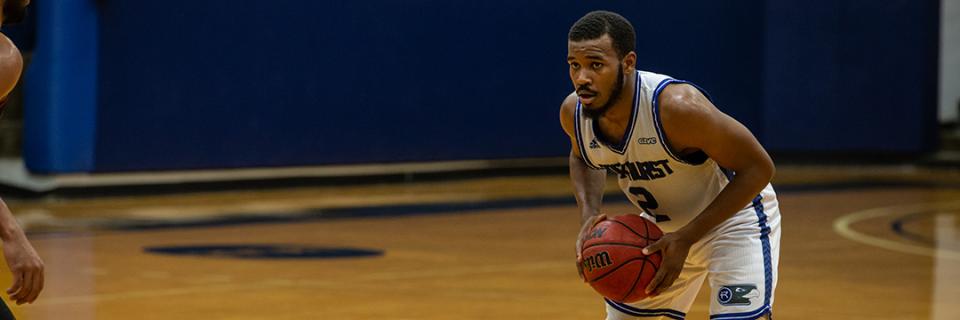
(43, 282)
(590, 223)
(654, 247)
(579, 251)
(16, 284)
(37, 276)
(600, 218)
(34, 286)
(586, 227)
(17, 288)
(27, 292)
(584, 231)
(656, 281)
(667, 282)
(580, 271)
(21, 286)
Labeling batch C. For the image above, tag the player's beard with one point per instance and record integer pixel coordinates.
(614, 97)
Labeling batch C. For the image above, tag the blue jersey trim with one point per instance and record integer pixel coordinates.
(728, 173)
(767, 268)
(659, 125)
(579, 135)
(637, 312)
(765, 242)
(621, 148)
(743, 315)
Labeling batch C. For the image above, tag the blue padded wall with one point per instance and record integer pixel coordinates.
(60, 91)
(851, 76)
(226, 83)
(222, 84)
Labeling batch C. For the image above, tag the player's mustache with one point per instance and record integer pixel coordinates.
(585, 90)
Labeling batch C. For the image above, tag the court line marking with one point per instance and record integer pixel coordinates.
(15, 173)
(305, 283)
(842, 226)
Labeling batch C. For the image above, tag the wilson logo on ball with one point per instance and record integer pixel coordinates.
(596, 233)
(597, 261)
(612, 260)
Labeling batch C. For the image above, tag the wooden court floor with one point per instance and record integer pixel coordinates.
(857, 243)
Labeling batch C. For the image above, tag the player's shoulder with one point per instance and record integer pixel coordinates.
(683, 99)
(568, 111)
(569, 104)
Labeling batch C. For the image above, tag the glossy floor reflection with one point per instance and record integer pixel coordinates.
(865, 247)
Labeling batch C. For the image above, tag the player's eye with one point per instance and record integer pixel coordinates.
(596, 65)
(574, 65)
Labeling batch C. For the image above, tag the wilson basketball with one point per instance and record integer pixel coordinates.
(613, 262)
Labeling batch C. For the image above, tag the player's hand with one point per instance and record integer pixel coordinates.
(674, 249)
(27, 269)
(584, 232)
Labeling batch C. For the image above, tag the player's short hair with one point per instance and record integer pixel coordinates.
(14, 11)
(598, 23)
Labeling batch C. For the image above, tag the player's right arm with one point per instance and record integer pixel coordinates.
(588, 183)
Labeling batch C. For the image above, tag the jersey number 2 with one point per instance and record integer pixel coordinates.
(646, 201)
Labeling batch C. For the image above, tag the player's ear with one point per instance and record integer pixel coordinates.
(629, 61)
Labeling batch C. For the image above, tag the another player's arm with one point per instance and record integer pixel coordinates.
(588, 183)
(24, 263)
(692, 122)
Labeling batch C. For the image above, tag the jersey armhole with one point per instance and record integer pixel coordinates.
(579, 135)
(694, 159)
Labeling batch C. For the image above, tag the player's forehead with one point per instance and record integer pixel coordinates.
(601, 47)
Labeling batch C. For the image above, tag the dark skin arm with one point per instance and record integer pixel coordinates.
(692, 123)
(588, 183)
(24, 263)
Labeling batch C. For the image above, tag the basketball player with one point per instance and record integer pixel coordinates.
(700, 174)
(24, 263)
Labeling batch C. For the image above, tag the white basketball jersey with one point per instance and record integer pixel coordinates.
(671, 188)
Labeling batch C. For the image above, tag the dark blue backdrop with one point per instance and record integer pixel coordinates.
(851, 76)
(226, 83)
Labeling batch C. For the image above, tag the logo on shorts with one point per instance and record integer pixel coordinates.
(737, 295)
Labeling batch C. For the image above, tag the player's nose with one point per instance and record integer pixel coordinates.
(582, 78)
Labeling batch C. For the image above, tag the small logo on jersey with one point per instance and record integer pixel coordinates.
(594, 144)
(650, 140)
(738, 295)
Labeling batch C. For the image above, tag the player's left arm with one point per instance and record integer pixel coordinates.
(21, 257)
(691, 122)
